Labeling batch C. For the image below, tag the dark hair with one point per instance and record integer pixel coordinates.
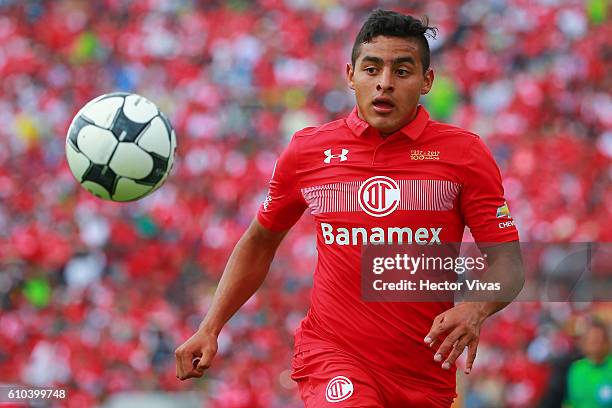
(392, 24)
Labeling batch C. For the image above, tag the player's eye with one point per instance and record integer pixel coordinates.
(371, 70)
(403, 72)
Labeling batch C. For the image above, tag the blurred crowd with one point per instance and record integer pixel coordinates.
(95, 296)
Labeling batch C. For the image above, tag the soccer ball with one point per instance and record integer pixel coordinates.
(120, 147)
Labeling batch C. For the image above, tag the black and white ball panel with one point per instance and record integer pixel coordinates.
(96, 143)
(129, 160)
(160, 169)
(102, 112)
(78, 162)
(120, 147)
(139, 109)
(124, 129)
(102, 175)
(170, 131)
(133, 118)
(155, 138)
(96, 189)
(128, 190)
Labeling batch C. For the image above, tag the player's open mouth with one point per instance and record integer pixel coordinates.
(382, 105)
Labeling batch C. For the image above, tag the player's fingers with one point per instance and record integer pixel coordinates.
(193, 373)
(438, 340)
(195, 362)
(458, 348)
(184, 361)
(438, 327)
(447, 344)
(200, 361)
(200, 364)
(472, 349)
(204, 361)
(178, 357)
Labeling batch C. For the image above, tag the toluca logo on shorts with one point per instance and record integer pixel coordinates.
(379, 196)
(329, 156)
(378, 235)
(338, 389)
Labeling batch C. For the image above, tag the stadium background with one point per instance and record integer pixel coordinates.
(95, 296)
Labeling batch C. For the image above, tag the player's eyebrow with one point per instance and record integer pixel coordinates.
(407, 59)
(379, 61)
(374, 60)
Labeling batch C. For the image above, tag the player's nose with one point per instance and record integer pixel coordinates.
(385, 81)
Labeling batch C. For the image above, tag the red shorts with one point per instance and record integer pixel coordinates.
(329, 377)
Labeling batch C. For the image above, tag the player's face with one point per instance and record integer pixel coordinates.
(388, 80)
(595, 344)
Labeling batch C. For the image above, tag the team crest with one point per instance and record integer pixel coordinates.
(338, 389)
(379, 196)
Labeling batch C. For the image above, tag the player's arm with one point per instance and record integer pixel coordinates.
(244, 273)
(248, 264)
(462, 323)
(486, 213)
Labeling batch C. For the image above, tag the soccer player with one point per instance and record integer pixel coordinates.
(386, 167)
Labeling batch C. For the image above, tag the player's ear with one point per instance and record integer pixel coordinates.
(428, 78)
(349, 76)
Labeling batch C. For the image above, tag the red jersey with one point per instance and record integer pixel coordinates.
(428, 180)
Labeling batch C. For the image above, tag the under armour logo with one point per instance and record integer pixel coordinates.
(329, 156)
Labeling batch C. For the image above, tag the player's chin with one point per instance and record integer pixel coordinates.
(385, 124)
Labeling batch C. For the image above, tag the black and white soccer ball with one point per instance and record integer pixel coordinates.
(120, 147)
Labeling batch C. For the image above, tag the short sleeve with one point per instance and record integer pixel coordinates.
(284, 203)
(482, 201)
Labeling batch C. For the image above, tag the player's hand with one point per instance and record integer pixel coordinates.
(461, 324)
(194, 356)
